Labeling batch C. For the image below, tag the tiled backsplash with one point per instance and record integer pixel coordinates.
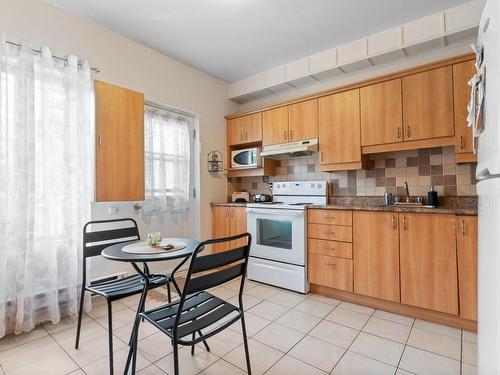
(385, 172)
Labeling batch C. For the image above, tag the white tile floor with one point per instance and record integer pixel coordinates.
(289, 334)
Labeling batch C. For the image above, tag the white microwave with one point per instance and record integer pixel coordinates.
(247, 158)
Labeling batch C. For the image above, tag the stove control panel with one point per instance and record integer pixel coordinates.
(300, 188)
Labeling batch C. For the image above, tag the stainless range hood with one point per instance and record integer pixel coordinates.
(291, 150)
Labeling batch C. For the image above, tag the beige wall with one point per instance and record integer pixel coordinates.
(129, 64)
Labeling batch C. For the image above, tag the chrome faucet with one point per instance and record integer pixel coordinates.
(407, 192)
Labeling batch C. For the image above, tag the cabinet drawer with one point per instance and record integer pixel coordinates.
(330, 232)
(333, 217)
(332, 248)
(329, 271)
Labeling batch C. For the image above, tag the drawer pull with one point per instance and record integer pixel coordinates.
(331, 249)
(330, 217)
(327, 233)
(329, 264)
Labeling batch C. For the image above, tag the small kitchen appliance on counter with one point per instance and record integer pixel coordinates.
(240, 197)
(261, 198)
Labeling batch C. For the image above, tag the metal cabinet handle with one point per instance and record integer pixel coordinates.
(330, 217)
(393, 221)
(462, 227)
(462, 143)
(332, 249)
(329, 264)
(246, 136)
(241, 137)
(404, 222)
(321, 155)
(291, 134)
(399, 132)
(408, 131)
(285, 135)
(327, 233)
(99, 141)
(227, 212)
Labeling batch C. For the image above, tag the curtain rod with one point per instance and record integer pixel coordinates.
(39, 51)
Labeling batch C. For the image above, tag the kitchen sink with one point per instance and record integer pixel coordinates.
(406, 204)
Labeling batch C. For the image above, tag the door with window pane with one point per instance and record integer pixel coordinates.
(169, 172)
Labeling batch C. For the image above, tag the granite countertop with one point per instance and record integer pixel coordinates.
(448, 205)
(438, 210)
(230, 204)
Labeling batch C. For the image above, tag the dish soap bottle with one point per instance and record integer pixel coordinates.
(432, 197)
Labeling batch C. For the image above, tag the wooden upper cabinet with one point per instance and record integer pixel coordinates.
(428, 104)
(303, 120)
(462, 73)
(428, 261)
(275, 126)
(381, 113)
(119, 115)
(339, 130)
(376, 254)
(467, 265)
(244, 129)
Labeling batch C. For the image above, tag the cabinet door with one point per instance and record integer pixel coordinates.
(303, 120)
(467, 265)
(381, 113)
(119, 115)
(376, 254)
(428, 104)
(275, 126)
(339, 128)
(220, 226)
(244, 129)
(329, 271)
(238, 223)
(234, 131)
(428, 261)
(462, 73)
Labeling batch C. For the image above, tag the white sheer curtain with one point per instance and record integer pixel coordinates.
(168, 162)
(46, 186)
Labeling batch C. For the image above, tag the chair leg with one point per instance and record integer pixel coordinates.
(110, 337)
(80, 314)
(205, 342)
(133, 347)
(192, 346)
(169, 294)
(245, 342)
(176, 359)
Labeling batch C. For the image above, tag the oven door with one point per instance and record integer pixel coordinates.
(277, 234)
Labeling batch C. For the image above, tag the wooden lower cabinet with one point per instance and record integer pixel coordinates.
(428, 261)
(228, 221)
(376, 254)
(330, 271)
(330, 232)
(467, 265)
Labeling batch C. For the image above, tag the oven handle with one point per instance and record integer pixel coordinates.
(274, 212)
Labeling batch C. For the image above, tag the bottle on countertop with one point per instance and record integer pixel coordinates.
(432, 197)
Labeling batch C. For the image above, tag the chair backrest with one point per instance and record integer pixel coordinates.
(99, 234)
(208, 271)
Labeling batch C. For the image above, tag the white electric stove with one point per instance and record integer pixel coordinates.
(278, 255)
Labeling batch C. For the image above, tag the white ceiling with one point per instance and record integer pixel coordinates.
(233, 39)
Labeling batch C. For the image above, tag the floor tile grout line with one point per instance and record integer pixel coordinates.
(461, 351)
(406, 344)
(359, 332)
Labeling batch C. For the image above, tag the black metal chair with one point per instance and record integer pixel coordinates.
(94, 241)
(197, 311)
